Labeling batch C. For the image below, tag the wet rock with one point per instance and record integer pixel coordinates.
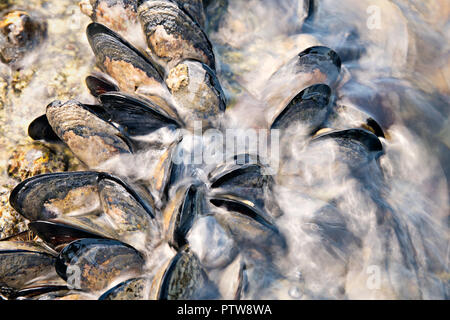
(35, 158)
(10, 221)
(19, 33)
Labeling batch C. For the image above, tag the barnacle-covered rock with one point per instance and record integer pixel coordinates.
(10, 221)
(35, 158)
(19, 33)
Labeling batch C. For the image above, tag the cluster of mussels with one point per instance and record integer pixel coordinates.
(100, 234)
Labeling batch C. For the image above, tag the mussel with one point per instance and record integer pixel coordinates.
(308, 110)
(23, 265)
(118, 58)
(90, 138)
(94, 264)
(172, 36)
(131, 289)
(184, 278)
(315, 65)
(197, 92)
(74, 205)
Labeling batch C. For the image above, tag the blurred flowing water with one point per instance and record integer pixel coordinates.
(381, 234)
(391, 221)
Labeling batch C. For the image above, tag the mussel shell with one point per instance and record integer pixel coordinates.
(136, 116)
(57, 234)
(243, 170)
(34, 291)
(19, 268)
(128, 213)
(314, 65)
(172, 35)
(113, 13)
(363, 137)
(185, 279)
(194, 8)
(65, 295)
(322, 58)
(180, 214)
(24, 236)
(40, 129)
(98, 85)
(93, 264)
(343, 117)
(13, 245)
(131, 289)
(308, 109)
(248, 227)
(319, 62)
(354, 148)
(197, 92)
(53, 195)
(118, 58)
(139, 195)
(232, 280)
(234, 183)
(245, 180)
(89, 137)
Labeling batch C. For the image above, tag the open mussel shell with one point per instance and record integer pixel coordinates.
(119, 59)
(40, 129)
(232, 280)
(34, 291)
(13, 245)
(172, 35)
(20, 268)
(93, 264)
(53, 195)
(136, 116)
(315, 65)
(246, 181)
(197, 92)
(309, 109)
(249, 227)
(362, 137)
(354, 148)
(73, 205)
(92, 139)
(99, 84)
(59, 234)
(183, 279)
(131, 289)
(344, 116)
(180, 214)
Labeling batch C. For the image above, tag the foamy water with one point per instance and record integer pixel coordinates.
(383, 234)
